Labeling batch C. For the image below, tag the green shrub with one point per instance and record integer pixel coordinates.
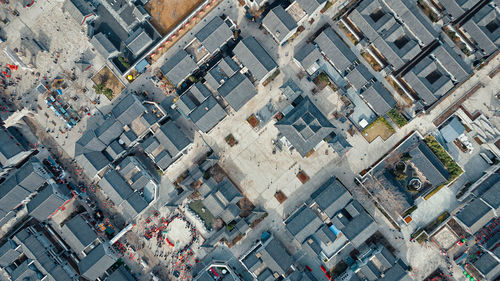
(396, 116)
(108, 93)
(99, 88)
(400, 175)
(380, 119)
(422, 238)
(124, 62)
(409, 211)
(444, 157)
(323, 77)
(231, 226)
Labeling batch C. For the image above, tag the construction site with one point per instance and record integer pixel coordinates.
(178, 27)
(166, 14)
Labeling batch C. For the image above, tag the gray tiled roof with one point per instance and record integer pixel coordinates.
(109, 130)
(138, 41)
(193, 97)
(492, 196)
(26, 180)
(88, 142)
(325, 235)
(115, 187)
(36, 248)
(279, 22)
(397, 45)
(103, 45)
(275, 256)
(32, 175)
(214, 34)
(8, 253)
(305, 126)
(227, 192)
(419, 25)
(78, 9)
(221, 72)
(488, 265)
(475, 214)
(303, 223)
(452, 62)
(128, 109)
(9, 149)
(396, 273)
(207, 114)
(359, 227)
(452, 130)
(432, 76)
(114, 150)
(337, 52)
(266, 275)
(380, 100)
(172, 138)
(11, 194)
(309, 6)
(133, 206)
(307, 56)
(358, 77)
(456, 8)
(254, 57)
(429, 165)
(92, 162)
(484, 29)
(370, 271)
(371, 18)
(121, 274)
(128, 137)
(96, 262)
(25, 272)
(339, 144)
(331, 196)
(385, 257)
(230, 213)
(290, 89)
(178, 67)
(45, 202)
(213, 205)
(78, 234)
(237, 91)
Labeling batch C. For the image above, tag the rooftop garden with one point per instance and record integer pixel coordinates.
(397, 117)
(379, 128)
(444, 157)
(198, 208)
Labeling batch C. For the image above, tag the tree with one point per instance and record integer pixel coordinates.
(108, 93)
(392, 159)
(217, 224)
(99, 88)
(124, 62)
(390, 198)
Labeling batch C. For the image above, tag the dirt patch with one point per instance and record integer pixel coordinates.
(166, 14)
(108, 80)
(379, 128)
(253, 121)
(303, 177)
(280, 196)
(231, 140)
